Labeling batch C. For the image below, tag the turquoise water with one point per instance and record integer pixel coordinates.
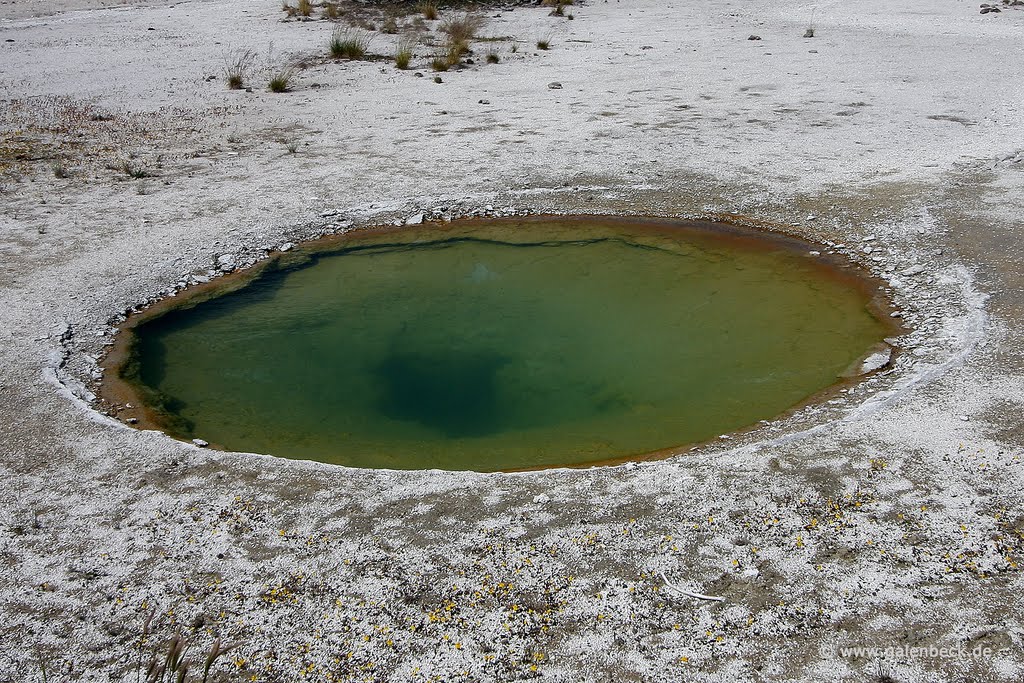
(506, 345)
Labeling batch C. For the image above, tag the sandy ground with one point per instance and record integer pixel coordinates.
(890, 518)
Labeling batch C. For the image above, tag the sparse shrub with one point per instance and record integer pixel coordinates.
(304, 8)
(60, 171)
(492, 57)
(559, 10)
(292, 146)
(331, 11)
(290, 10)
(403, 54)
(348, 44)
(515, 48)
(237, 64)
(440, 64)
(390, 26)
(543, 43)
(428, 9)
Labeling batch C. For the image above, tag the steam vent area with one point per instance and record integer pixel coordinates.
(569, 341)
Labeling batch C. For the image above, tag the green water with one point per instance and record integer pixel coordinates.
(506, 345)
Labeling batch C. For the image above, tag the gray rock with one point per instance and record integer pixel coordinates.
(226, 262)
(555, 85)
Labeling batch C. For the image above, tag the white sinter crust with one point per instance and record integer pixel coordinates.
(890, 516)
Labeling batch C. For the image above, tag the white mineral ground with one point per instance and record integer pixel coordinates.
(891, 516)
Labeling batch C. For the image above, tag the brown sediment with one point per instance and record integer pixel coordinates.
(126, 399)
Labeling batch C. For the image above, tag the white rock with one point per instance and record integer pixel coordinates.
(414, 220)
(913, 270)
(200, 443)
(876, 361)
(287, 246)
(542, 498)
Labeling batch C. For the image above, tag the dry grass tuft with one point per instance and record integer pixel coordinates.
(462, 29)
(281, 80)
(429, 10)
(347, 43)
(134, 169)
(403, 54)
(235, 68)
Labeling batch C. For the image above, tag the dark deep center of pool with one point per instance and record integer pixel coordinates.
(506, 344)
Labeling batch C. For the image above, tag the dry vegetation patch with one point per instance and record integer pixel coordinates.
(70, 137)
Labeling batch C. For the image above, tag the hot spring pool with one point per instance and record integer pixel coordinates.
(503, 344)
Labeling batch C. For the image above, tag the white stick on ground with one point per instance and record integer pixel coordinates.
(690, 594)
